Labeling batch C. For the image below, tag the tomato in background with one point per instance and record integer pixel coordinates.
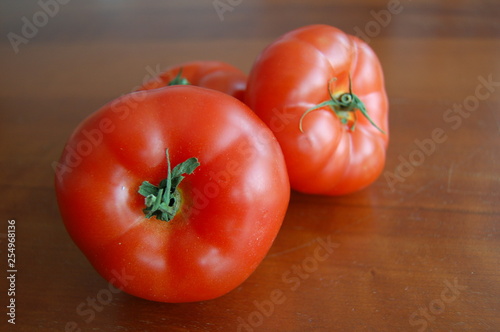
(322, 93)
(216, 75)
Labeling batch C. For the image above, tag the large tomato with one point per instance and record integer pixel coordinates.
(121, 198)
(216, 75)
(322, 93)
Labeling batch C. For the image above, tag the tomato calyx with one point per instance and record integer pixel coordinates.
(179, 80)
(163, 201)
(344, 105)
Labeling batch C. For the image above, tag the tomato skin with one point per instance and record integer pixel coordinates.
(216, 75)
(232, 205)
(293, 74)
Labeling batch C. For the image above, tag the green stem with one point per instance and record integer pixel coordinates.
(344, 105)
(179, 80)
(163, 201)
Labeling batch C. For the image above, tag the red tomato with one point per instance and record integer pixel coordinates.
(214, 75)
(330, 85)
(226, 211)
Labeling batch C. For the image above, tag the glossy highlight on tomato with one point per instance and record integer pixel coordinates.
(321, 91)
(226, 204)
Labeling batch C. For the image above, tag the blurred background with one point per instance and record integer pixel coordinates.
(111, 45)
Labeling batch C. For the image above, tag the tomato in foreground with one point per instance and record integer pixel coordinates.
(174, 194)
(216, 75)
(322, 93)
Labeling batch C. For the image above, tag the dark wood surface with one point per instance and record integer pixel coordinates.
(419, 250)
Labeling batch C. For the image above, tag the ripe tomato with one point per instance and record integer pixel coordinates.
(226, 212)
(214, 75)
(322, 93)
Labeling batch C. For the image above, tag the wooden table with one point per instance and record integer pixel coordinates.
(419, 250)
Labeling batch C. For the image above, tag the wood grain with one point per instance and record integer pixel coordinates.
(421, 253)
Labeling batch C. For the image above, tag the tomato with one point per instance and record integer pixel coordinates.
(181, 190)
(216, 75)
(322, 93)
